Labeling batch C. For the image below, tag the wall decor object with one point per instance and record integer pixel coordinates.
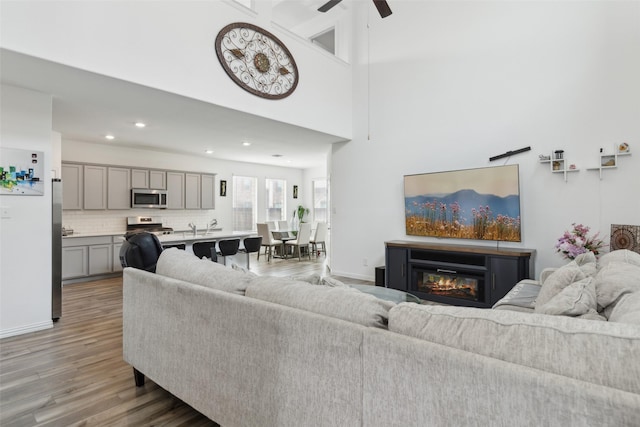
(21, 172)
(223, 188)
(257, 60)
(610, 161)
(558, 162)
(295, 191)
(625, 237)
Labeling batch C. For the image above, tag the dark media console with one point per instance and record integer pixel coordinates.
(473, 276)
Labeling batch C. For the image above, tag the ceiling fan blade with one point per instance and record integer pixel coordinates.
(383, 8)
(328, 5)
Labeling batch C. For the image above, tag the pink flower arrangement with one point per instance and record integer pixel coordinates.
(576, 242)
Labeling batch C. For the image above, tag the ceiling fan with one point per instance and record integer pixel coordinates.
(381, 5)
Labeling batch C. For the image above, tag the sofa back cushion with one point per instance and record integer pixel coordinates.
(618, 291)
(340, 302)
(604, 353)
(183, 265)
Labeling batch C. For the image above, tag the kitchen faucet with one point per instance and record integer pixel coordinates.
(211, 225)
(193, 228)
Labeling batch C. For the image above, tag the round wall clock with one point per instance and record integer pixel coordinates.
(256, 60)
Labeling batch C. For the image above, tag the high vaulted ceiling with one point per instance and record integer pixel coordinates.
(88, 106)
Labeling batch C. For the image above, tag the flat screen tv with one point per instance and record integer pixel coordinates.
(480, 204)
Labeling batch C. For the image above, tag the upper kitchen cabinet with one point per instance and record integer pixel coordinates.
(119, 188)
(72, 182)
(95, 187)
(175, 190)
(157, 180)
(208, 186)
(139, 178)
(192, 191)
(153, 179)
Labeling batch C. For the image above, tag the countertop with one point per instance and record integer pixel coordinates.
(176, 236)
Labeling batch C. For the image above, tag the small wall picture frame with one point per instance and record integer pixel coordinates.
(223, 188)
(295, 191)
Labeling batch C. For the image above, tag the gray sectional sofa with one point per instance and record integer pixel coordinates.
(262, 351)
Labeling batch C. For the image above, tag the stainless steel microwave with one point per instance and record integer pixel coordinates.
(145, 198)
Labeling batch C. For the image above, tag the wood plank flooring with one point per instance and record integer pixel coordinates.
(74, 375)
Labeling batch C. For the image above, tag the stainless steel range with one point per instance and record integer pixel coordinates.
(150, 224)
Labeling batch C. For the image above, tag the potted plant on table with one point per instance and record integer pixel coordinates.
(299, 213)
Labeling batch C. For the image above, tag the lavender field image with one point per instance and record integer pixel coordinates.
(482, 204)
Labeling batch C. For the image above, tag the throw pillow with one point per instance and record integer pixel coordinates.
(314, 278)
(583, 266)
(330, 281)
(575, 300)
(627, 310)
(614, 282)
(621, 255)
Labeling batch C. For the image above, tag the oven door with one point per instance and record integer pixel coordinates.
(143, 198)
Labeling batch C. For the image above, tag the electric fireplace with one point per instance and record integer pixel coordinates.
(450, 284)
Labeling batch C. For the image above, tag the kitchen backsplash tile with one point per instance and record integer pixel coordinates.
(115, 222)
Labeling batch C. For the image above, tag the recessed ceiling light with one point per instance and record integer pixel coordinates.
(246, 144)
(276, 155)
(140, 124)
(208, 151)
(110, 137)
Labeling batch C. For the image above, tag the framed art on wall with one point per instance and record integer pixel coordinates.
(223, 188)
(21, 172)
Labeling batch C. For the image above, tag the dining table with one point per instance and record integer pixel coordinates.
(284, 236)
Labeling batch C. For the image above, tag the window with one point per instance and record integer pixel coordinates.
(245, 202)
(320, 198)
(275, 193)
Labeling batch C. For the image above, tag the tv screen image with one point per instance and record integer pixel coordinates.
(481, 204)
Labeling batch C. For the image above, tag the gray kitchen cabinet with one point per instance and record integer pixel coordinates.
(119, 188)
(175, 190)
(208, 187)
(95, 187)
(117, 245)
(73, 184)
(157, 180)
(90, 256)
(75, 262)
(192, 191)
(139, 178)
(100, 259)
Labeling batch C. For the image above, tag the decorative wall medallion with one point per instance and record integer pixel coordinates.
(256, 60)
(625, 237)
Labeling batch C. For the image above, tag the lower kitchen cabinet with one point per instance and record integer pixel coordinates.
(90, 256)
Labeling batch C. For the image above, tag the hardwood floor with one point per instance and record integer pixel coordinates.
(74, 375)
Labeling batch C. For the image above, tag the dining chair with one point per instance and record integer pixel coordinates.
(179, 245)
(272, 225)
(302, 240)
(319, 238)
(228, 247)
(206, 249)
(283, 226)
(268, 241)
(251, 245)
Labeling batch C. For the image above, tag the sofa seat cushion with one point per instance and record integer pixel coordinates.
(334, 301)
(603, 353)
(183, 265)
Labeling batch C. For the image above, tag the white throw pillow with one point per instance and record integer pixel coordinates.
(575, 300)
(580, 268)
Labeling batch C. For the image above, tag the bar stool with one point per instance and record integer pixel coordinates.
(228, 247)
(206, 249)
(179, 245)
(251, 245)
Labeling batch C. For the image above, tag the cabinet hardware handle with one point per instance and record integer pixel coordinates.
(442, 270)
(493, 281)
(402, 271)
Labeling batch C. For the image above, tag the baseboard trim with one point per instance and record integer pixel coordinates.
(20, 330)
(353, 276)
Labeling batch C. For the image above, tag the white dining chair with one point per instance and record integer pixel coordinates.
(302, 240)
(268, 242)
(319, 238)
(283, 226)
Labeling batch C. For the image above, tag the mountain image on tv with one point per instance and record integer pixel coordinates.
(473, 212)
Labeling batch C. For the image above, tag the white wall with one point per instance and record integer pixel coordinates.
(169, 45)
(25, 235)
(114, 221)
(454, 83)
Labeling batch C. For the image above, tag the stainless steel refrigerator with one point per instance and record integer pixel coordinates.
(56, 249)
